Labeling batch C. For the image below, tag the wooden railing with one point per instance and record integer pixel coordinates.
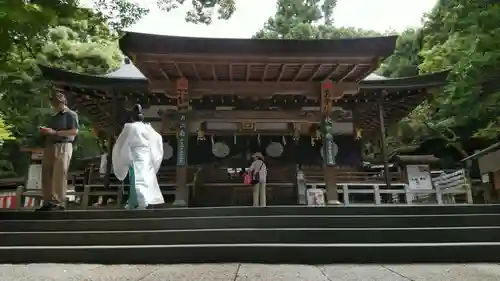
(88, 186)
(116, 191)
(346, 175)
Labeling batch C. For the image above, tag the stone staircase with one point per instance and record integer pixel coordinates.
(386, 234)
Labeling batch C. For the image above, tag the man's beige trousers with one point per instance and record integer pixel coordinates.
(55, 164)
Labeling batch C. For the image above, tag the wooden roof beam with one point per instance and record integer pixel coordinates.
(196, 72)
(245, 115)
(239, 87)
(315, 73)
(297, 75)
(333, 71)
(248, 72)
(162, 71)
(264, 75)
(351, 71)
(178, 69)
(214, 73)
(282, 71)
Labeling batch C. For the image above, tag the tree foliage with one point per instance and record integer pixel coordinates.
(406, 59)
(309, 19)
(81, 42)
(464, 37)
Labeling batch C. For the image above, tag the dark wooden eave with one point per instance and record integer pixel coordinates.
(163, 58)
(74, 79)
(93, 95)
(414, 159)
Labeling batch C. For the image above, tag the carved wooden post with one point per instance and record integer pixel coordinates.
(182, 192)
(383, 142)
(328, 93)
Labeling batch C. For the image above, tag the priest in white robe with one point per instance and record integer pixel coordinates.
(138, 153)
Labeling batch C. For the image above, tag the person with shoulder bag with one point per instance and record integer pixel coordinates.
(258, 174)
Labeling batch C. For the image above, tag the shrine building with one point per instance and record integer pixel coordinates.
(307, 105)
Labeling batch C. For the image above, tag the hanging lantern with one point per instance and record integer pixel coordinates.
(274, 149)
(220, 150)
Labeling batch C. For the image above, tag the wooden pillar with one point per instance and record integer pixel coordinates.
(111, 138)
(182, 190)
(383, 143)
(328, 93)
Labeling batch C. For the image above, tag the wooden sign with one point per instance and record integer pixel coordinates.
(247, 126)
(330, 150)
(182, 142)
(329, 146)
(419, 177)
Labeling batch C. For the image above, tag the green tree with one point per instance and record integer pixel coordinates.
(465, 37)
(462, 36)
(310, 19)
(406, 59)
(83, 44)
(20, 21)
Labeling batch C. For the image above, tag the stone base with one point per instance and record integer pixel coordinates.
(179, 203)
(334, 202)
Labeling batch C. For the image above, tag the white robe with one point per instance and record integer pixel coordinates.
(140, 147)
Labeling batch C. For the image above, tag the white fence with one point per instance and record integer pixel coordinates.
(377, 190)
(450, 184)
(445, 187)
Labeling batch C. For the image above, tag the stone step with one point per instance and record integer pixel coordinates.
(252, 211)
(223, 222)
(253, 236)
(256, 253)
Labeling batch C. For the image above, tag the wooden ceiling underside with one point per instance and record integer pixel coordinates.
(241, 71)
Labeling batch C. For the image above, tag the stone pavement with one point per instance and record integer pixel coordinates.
(247, 272)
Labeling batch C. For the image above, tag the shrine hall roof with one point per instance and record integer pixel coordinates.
(161, 57)
(128, 76)
(133, 43)
(126, 70)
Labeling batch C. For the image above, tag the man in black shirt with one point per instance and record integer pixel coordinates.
(60, 135)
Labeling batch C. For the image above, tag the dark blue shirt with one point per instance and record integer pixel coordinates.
(63, 121)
